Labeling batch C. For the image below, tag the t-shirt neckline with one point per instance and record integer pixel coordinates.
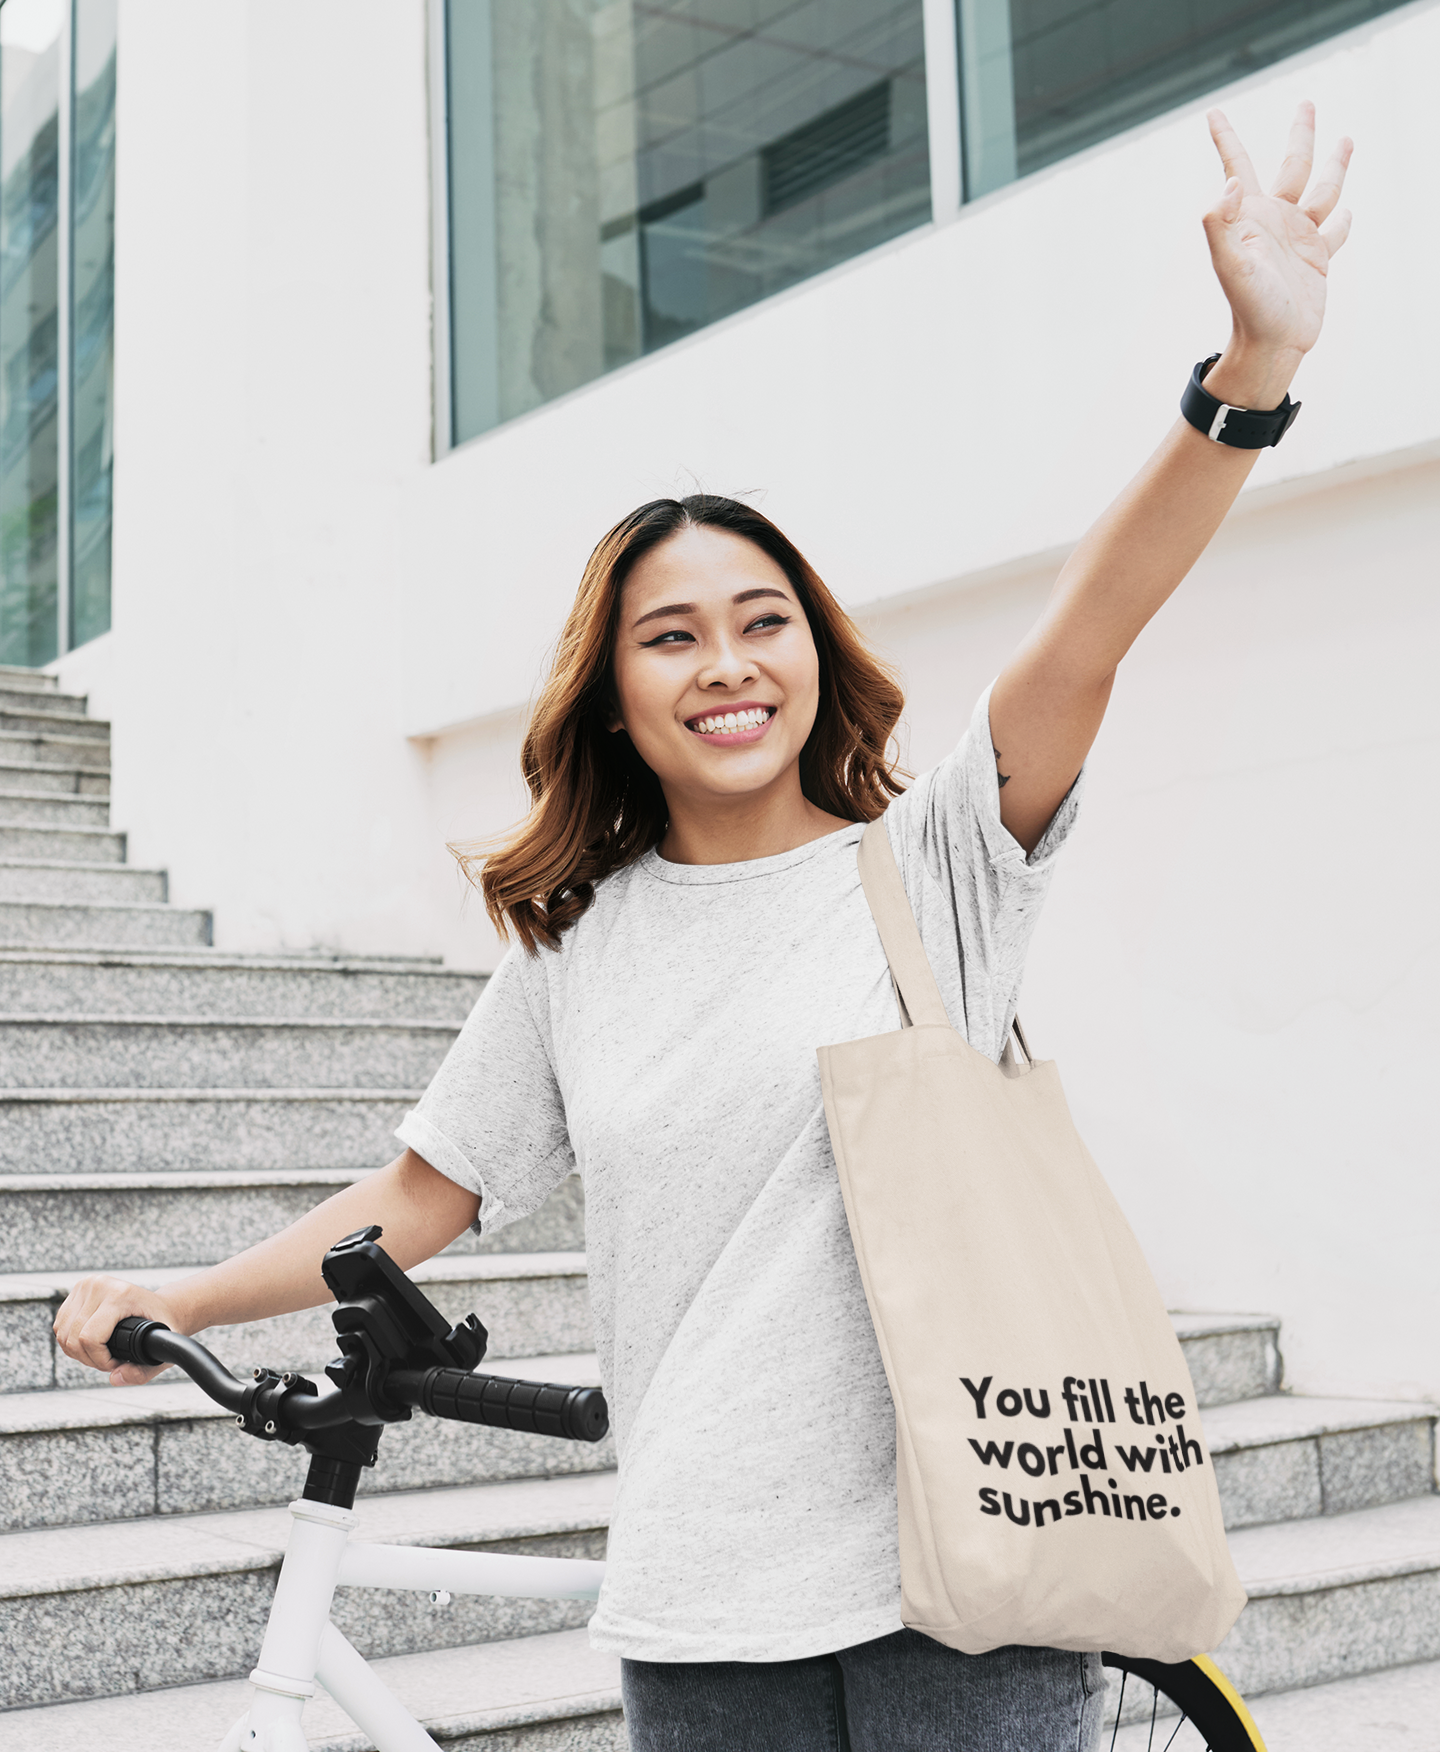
(691, 875)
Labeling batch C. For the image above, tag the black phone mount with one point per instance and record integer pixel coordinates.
(385, 1326)
(385, 1323)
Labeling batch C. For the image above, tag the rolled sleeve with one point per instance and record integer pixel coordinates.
(976, 892)
(493, 1119)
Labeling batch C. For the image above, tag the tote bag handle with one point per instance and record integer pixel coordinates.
(919, 995)
(920, 999)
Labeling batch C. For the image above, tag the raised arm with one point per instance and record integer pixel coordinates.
(1270, 254)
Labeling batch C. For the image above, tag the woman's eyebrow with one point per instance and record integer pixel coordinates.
(689, 607)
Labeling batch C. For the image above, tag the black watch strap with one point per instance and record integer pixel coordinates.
(1240, 428)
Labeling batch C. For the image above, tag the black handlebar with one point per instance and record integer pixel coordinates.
(149, 1343)
(539, 1407)
(395, 1347)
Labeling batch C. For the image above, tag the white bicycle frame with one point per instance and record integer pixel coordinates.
(302, 1646)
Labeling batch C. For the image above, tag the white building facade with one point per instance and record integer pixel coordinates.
(359, 464)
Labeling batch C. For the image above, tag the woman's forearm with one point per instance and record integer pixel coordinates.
(418, 1208)
(1049, 701)
(1141, 547)
(1271, 254)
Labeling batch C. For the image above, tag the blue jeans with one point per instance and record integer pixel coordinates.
(900, 1693)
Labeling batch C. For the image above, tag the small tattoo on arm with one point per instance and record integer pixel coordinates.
(1004, 778)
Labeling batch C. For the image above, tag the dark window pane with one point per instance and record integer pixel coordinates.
(1081, 70)
(29, 330)
(93, 318)
(622, 175)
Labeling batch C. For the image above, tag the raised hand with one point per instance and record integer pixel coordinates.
(1271, 252)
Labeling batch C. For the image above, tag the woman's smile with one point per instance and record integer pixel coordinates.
(734, 726)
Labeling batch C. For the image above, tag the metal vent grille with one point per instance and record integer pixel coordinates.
(827, 150)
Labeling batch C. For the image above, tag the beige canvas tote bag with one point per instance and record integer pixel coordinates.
(1054, 1484)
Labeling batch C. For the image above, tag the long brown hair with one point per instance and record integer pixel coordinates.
(595, 805)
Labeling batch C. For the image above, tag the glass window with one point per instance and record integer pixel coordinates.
(1043, 78)
(93, 319)
(57, 198)
(29, 330)
(620, 175)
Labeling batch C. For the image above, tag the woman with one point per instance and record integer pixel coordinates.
(691, 928)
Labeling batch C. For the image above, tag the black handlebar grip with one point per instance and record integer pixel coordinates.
(127, 1342)
(540, 1408)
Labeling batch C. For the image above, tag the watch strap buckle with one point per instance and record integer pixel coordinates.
(1239, 428)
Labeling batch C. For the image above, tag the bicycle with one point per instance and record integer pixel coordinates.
(397, 1356)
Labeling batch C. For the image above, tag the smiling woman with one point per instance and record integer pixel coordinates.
(692, 928)
(690, 609)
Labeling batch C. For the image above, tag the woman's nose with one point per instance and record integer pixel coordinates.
(728, 666)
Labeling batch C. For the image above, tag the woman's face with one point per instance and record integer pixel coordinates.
(715, 668)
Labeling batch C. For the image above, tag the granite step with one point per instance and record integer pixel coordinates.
(132, 1587)
(70, 843)
(1291, 1457)
(16, 675)
(1327, 1655)
(51, 720)
(530, 1303)
(1336, 1596)
(22, 808)
(126, 1131)
(98, 1454)
(156, 1052)
(210, 983)
(106, 1222)
(22, 699)
(40, 748)
(546, 1693)
(77, 881)
(1231, 1356)
(25, 779)
(93, 925)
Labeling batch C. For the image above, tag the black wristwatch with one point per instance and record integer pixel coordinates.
(1240, 428)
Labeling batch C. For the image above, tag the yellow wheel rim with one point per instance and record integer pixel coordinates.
(1232, 1697)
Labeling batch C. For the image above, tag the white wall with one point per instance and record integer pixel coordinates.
(272, 399)
(1237, 967)
(323, 642)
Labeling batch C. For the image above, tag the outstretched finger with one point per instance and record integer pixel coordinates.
(1329, 183)
(1232, 154)
(1289, 185)
(1337, 230)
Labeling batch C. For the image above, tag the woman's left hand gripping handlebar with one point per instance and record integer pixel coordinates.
(92, 1311)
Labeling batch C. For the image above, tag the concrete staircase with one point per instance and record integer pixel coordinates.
(163, 1104)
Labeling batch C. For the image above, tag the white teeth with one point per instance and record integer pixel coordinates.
(728, 723)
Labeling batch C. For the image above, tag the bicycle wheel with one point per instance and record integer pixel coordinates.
(1212, 1718)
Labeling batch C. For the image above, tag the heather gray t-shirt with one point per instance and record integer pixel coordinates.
(667, 1051)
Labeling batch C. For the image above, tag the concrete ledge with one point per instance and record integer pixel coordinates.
(191, 1128)
(136, 1052)
(527, 1685)
(104, 1222)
